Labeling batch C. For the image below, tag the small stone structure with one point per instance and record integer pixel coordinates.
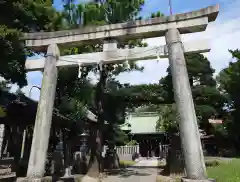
(175, 160)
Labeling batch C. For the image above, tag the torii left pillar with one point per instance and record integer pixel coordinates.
(36, 165)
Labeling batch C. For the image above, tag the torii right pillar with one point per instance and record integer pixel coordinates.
(190, 137)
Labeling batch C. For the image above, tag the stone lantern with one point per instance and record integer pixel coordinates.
(84, 140)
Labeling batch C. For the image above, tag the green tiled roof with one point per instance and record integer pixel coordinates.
(141, 123)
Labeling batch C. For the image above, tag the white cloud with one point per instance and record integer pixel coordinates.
(152, 73)
(223, 34)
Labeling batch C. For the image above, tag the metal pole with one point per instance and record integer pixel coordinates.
(34, 86)
(23, 144)
(24, 132)
(170, 6)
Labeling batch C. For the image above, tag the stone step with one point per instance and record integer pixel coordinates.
(6, 161)
(5, 166)
(5, 171)
(8, 178)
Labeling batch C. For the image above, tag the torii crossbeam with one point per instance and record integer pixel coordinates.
(118, 55)
(195, 21)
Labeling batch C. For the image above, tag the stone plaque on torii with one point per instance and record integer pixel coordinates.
(171, 27)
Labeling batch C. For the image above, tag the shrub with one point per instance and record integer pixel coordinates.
(212, 163)
(226, 171)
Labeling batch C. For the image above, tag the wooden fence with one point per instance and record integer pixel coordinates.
(129, 150)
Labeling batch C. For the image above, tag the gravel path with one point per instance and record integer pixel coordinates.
(143, 171)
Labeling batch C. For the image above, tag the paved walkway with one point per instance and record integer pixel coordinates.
(145, 170)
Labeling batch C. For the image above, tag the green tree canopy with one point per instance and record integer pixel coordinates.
(16, 17)
(100, 99)
(229, 79)
(207, 98)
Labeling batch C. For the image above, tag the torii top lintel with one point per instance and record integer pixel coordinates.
(194, 21)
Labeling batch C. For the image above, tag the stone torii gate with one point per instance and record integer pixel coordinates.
(171, 27)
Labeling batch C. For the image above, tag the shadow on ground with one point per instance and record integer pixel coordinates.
(143, 167)
(125, 173)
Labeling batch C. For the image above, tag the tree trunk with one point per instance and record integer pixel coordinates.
(95, 162)
(111, 158)
(114, 160)
(15, 146)
(175, 163)
(67, 154)
(5, 142)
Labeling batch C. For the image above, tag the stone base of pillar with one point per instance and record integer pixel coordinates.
(74, 178)
(197, 180)
(67, 179)
(44, 179)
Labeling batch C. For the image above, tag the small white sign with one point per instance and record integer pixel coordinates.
(215, 121)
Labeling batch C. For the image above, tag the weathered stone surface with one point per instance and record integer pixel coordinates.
(34, 179)
(188, 128)
(74, 178)
(197, 180)
(89, 179)
(5, 171)
(164, 179)
(194, 21)
(37, 160)
(145, 173)
(8, 177)
(119, 55)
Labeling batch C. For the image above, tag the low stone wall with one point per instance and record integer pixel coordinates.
(74, 178)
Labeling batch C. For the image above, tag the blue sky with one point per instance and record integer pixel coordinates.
(222, 34)
(161, 5)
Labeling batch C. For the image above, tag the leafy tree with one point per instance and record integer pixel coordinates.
(208, 100)
(3, 88)
(16, 17)
(167, 118)
(128, 97)
(229, 79)
(13, 56)
(92, 14)
(157, 14)
(140, 95)
(76, 15)
(2, 112)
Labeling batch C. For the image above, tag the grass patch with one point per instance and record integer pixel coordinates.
(220, 170)
(124, 164)
(225, 171)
